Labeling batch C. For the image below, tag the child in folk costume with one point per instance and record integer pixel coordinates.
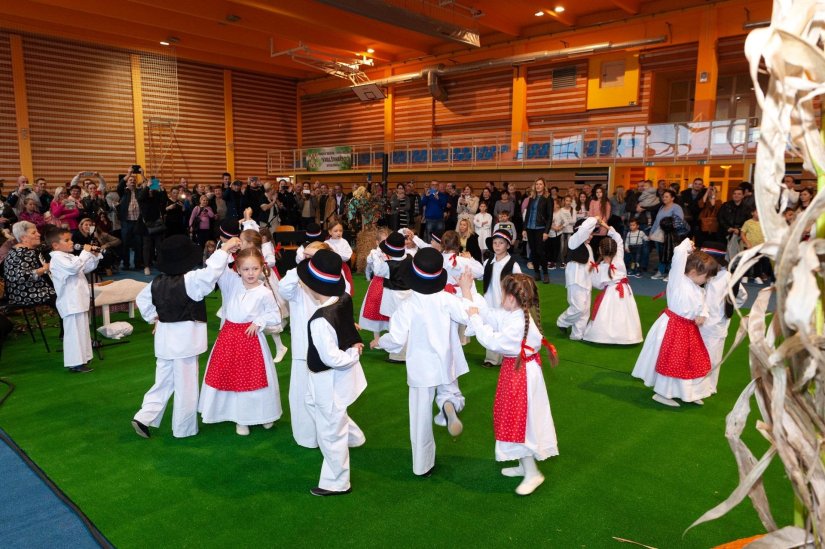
(435, 358)
(719, 307)
(68, 275)
(336, 378)
(577, 279)
(495, 269)
(389, 250)
(174, 303)
(314, 234)
(522, 420)
(339, 245)
(412, 243)
(674, 360)
(614, 318)
(240, 384)
(455, 262)
(483, 224)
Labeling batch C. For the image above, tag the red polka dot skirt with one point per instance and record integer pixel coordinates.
(510, 406)
(683, 354)
(372, 301)
(237, 361)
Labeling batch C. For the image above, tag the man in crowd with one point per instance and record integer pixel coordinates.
(129, 213)
(434, 204)
(689, 200)
(733, 215)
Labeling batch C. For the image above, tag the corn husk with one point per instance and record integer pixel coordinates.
(787, 364)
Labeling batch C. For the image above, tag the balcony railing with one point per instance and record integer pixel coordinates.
(719, 140)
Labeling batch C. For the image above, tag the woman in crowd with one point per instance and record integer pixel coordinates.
(467, 239)
(618, 207)
(600, 208)
(31, 213)
(399, 208)
(64, 210)
(88, 233)
(26, 270)
(665, 236)
(709, 206)
(467, 205)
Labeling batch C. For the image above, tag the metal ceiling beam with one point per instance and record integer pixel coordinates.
(628, 6)
(406, 19)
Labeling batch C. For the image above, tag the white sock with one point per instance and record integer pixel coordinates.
(278, 343)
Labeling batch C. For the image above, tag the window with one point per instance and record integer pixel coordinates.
(612, 74)
(680, 101)
(564, 77)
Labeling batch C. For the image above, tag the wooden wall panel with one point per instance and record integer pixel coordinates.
(602, 117)
(263, 109)
(730, 50)
(475, 98)
(542, 99)
(80, 109)
(9, 153)
(681, 58)
(340, 120)
(413, 111)
(198, 150)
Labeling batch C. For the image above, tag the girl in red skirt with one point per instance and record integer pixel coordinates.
(240, 384)
(522, 420)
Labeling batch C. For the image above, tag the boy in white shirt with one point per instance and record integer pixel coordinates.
(634, 244)
(495, 269)
(73, 295)
(578, 280)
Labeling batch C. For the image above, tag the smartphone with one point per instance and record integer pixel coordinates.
(136, 168)
(87, 174)
(154, 184)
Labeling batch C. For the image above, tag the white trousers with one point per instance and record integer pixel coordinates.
(493, 358)
(332, 430)
(421, 421)
(578, 312)
(302, 419)
(77, 341)
(178, 376)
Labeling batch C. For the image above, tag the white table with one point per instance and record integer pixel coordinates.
(118, 291)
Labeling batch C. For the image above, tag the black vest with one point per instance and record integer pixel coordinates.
(173, 305)
(397, 268)
(488, 271)
(579, 255)
(340, 317)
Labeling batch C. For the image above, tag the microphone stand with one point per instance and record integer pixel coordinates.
(97, 343)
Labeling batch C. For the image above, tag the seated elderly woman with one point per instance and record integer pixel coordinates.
(25, 271)
(88, 233)
(31, 213)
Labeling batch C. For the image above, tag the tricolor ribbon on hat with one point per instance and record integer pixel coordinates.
(435, 237)
(313, 235)
(713, 251)
(502, 234)
(425, 275)
(323, 277)
(393, 248)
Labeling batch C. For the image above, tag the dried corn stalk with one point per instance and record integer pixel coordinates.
(786, 360)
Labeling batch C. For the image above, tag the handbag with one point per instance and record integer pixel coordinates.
(657, 236)
(155, 227)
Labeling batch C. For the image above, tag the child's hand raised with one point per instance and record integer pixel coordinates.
(232, 244)
(247, 214)
(251, 330)
(465, 282)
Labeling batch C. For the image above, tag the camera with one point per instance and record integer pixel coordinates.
(136, 168)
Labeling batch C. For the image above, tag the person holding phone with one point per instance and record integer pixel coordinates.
(255, 197)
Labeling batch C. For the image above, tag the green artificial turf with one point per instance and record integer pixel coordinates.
(628, 467)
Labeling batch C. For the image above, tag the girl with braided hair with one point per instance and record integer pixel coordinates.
(614, 318)
(523, 424)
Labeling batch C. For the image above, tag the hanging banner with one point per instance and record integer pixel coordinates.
(328, 159)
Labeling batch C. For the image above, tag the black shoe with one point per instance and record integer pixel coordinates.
(321, 492)
(393, 361)
(141, 429)
(487, 364)
(537, 276)
(546, 279)
(428, 474)
(81, 369)
(565, 331)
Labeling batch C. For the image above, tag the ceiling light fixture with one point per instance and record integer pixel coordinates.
(539, 13)
(559, 9)
(164, 43)
(370, 50)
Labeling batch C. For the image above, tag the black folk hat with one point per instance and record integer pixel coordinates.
(313, 233)
(426, 274)
(716, 250)
(322, 273)
(177, 255)
(502, 234)
(394, 246)
(230, 228)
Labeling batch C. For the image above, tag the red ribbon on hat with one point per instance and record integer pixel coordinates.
(453, 259)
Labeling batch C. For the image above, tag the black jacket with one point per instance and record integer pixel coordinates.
(544, 213)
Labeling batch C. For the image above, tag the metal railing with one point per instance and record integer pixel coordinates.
(728, 140)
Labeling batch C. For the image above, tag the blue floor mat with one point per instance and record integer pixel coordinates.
(34, 513)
